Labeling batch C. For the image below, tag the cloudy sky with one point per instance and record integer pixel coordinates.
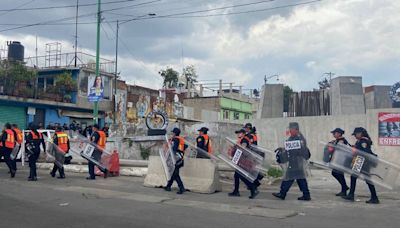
(238, 41)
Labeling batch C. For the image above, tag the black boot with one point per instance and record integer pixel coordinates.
(234, 194)
(304, 198)
(373, 201)
(279, 195)
(253, 194)
(349, 197)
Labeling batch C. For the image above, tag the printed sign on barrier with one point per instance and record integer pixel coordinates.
(242, 159)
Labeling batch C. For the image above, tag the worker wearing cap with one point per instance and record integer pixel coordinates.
(178, 147)
(244, 142)
(338, 175)
(203, 142)
(364, 144)
(7, 144)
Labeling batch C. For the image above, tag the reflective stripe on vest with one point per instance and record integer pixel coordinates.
(181, 146)
(10, 141)
(102, 139)
(207, 143)
(62, 140)
(19, 135)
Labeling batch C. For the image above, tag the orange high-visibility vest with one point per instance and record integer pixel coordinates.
(181, 146)
(34, 136)
(255, 138)
(10, 141)
(102, 139)
(19, 135)
(62, 139)
(207, 142)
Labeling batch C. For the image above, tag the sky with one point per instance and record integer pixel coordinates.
(238, 41)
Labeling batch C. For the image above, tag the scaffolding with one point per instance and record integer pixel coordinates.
(53, 55)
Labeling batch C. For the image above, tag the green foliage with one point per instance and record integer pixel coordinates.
(189, 72)
(65, 84)
(287, 93)
(275, 172)
(16, 71)
(170, 77)
(144, 152)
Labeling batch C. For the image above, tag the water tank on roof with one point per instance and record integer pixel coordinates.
(15, 51)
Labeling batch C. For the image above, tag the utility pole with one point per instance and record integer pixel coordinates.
(116, 73)
(76, 33)
(96, 103)
(330, 75)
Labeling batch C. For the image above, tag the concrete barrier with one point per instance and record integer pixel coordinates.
(198, 175)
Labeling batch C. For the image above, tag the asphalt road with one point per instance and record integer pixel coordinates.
(124, 202)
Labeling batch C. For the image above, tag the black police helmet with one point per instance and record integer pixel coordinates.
(240, 131)
(96, 126)
(338, 130)
(203, 129)
(248, 125)
(358, 130)
(176, 130)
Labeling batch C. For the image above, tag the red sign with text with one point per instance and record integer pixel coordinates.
(389, 129)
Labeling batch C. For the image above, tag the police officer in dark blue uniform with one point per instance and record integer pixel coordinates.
(338, 175)
(294, 155)
(7, 143)
(363, 143)
(245, 142)
(32, 145)
(178, 148)
(203, 142)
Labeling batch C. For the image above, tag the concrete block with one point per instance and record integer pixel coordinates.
(198, 175)
(271, 103)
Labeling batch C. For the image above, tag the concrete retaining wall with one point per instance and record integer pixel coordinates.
(198, 175)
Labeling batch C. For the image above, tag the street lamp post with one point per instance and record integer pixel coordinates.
(116, 61)
(96, 103)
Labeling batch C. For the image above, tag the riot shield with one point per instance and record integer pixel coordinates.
(81, 146)
(167, 158)
(242, 159)
(267, 155)
(363, 165)
(54, 153)
(293, 160)
(15, 151)
(194, 152)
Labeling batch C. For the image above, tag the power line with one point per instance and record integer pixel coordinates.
(74, 17)
(62, 7)
(16, 8)
(209, 10)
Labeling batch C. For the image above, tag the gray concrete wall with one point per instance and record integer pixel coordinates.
(347, 96)
(205, 103)
(377, 97)
(271, 102)
(272, 131)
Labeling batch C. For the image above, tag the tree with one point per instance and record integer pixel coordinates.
(170, 77)
(287, 93)
(190, 74)
(12, 74)
(65, 82)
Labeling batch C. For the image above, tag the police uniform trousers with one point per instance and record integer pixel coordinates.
(176, 177)
(6, 152)
(339, 176)
(97, 157)
(353, 183)
(238, 177)
(32, 162)
(302, 183)
(60, 170)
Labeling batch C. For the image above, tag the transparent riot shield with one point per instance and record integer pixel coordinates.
(167, 158)
(293, 160)
(54, 153)
(363, 165)
(267, 155)
(242, 159)
(81, 146)
(15, 151)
